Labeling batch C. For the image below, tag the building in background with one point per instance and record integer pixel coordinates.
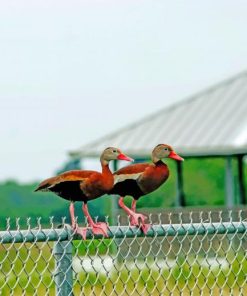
(212, 123)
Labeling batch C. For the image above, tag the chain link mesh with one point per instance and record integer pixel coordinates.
(184, 253)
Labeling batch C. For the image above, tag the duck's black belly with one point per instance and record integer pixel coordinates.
(69, 190)
(127, 187)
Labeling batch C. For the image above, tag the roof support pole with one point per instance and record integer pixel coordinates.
(242, 192)
(229, 182)
(180, 196)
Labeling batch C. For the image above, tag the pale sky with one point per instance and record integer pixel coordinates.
(73, 71)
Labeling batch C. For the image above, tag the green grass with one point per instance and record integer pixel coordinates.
(28, 268)
(93, 247)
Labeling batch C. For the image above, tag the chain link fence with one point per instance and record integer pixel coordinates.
(191, 253)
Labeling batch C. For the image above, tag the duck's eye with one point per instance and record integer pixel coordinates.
(114, 150)
(166, 149)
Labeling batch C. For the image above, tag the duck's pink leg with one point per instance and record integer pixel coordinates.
(145, 226)
(72, 215)
(80, 231)
(136, 219)
(97, 228)
(133, 206)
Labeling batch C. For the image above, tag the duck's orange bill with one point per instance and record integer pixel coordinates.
(122, 156)
(175, 156)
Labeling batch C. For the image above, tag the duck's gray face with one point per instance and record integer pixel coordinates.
(112, 153)
(165, 151)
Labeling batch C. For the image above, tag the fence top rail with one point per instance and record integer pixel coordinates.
(65, 232)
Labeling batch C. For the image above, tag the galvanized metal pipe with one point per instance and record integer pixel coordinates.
(65, 234)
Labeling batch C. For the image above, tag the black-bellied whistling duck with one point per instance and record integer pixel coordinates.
(84, 185)
(140, 179)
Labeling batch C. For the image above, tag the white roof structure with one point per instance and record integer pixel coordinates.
(213, 122)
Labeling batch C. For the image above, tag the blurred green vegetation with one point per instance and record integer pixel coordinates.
(204, 185)
(20, 200)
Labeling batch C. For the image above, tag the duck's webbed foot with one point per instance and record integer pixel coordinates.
(136, 219)
(82, 231)
(99, 228)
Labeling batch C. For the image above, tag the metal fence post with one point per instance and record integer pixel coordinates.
(63, 273)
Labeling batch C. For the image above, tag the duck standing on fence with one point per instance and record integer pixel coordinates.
(140, 179)
(85, 185)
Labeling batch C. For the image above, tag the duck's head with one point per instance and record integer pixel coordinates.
(164, 151)
(112, 153)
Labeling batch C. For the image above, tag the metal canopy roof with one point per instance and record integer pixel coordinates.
(213, 122)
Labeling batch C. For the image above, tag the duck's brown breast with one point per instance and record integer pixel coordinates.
(153, 177)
